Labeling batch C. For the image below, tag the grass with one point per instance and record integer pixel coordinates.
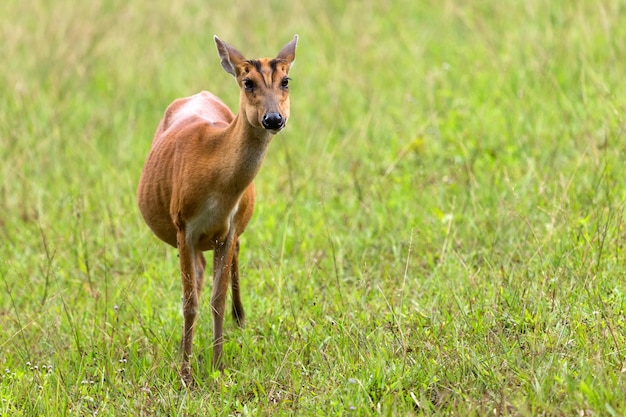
(440, 229)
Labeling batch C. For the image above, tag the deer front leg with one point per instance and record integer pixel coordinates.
(190, 300)
(222, 258)
(238, 312)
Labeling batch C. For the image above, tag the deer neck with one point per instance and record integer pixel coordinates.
(248, 145)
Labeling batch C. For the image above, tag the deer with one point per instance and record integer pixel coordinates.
(196, 191)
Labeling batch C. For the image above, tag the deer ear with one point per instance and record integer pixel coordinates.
(288, 53)
(230, 56)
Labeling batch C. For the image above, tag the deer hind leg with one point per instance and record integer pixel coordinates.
(238, 312)
(190, 299)
(200, 268)
(222, 258)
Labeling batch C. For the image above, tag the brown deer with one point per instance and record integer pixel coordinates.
(196, 190)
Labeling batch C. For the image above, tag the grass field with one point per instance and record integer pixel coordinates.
(439, 231)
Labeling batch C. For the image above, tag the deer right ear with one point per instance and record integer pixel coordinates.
(230, 56)
(288, 53)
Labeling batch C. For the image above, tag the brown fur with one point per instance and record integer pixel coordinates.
(196, 191)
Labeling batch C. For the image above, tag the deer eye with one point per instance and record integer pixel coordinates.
(285, 82)
(248, 84)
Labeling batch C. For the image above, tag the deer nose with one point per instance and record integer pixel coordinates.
(273, 121)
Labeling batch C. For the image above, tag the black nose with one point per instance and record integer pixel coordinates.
(273, 121)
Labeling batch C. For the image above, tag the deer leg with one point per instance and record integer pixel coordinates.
(238, 312)
(200, 268)
(190, 299)
(222, 258)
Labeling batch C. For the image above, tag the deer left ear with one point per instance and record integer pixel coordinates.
(288, 53)
(230, 56)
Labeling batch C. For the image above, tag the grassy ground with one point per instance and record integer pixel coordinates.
(440, 229)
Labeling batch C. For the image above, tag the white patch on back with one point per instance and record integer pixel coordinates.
(201, 105)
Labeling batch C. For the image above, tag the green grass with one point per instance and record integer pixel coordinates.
(439, 231)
